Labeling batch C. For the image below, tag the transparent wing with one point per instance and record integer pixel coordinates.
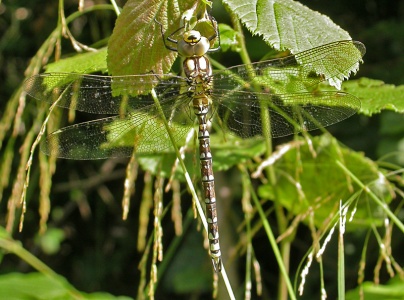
(142, 131)
(284, 91)
(246, 113)
(294, 73)
(238, 106)
(102, 94)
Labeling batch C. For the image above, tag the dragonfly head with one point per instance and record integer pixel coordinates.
(193, 44)
(192, 37)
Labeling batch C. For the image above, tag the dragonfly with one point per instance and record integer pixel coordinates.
(278, 97)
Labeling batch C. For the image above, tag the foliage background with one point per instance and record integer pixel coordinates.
(87, 241)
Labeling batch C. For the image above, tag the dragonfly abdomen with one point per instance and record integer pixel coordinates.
(201, 106)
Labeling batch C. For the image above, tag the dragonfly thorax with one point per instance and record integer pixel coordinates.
(193, 44)
(198, 70)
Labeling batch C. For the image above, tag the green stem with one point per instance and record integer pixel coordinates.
(341, 255)
(116, 7)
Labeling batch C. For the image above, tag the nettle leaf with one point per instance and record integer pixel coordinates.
(376, 95)
(83, 63)
(305, 182)
(136, 44)
(287, 24)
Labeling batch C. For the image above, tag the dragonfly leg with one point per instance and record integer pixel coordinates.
(215, 35)
(168, 38)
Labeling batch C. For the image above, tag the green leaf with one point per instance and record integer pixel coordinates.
(228, 38)
(305, 181)
(286, 24)
(83, 63)
(136, 44)
(234, 151)
(36, 286)
(376, 95)
(393, 290)
(334, 62)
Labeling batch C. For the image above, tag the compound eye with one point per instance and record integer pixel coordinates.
(192, 37)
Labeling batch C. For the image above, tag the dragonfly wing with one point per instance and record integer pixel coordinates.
(101, 94)
(142, 131)
(294, 73)
(246, 113)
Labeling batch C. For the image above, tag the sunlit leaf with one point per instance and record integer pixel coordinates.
(84, 63)
(287, 24)
(376, 96)
(136, 45)
(393, 290)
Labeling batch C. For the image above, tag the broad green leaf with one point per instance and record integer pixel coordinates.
(305, 181)
(136, 45)
(376, 95)
(332, 61)
(83, 63)
(36, 286)
(151, 135)
(287, 24)
(234, 151)
(393, 290)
